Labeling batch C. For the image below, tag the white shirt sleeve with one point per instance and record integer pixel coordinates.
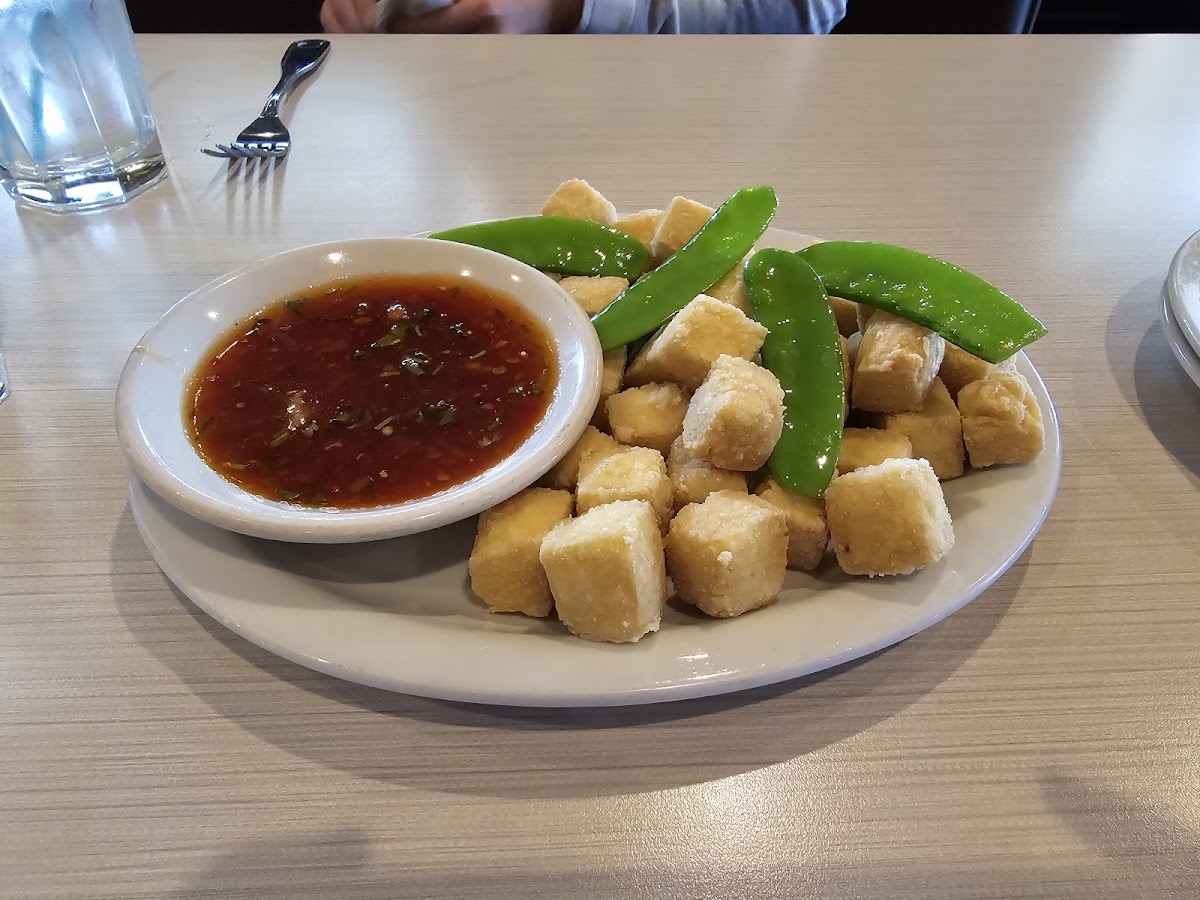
(711, 16)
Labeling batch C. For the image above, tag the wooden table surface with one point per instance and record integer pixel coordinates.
(1042, 742)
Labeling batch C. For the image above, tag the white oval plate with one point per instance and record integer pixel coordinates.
(399, 615)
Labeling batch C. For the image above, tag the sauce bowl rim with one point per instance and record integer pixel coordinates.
(151, 391)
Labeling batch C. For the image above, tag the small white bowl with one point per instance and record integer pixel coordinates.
(151, 393)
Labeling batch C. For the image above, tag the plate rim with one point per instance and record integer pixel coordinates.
(1188, 359)
(1187, 324)
(728, 682)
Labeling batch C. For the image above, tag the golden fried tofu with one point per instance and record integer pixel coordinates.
(648, 416)
(846, 313)
(641, 226)
(862, 315)
(808, 536)
(732, 288)
(935, 431)
(593, 292)
(576, 199)
(728, 555)
(553, 276)
(896, 362)
(736, 417)
(631, 473)
(693, 479)
(504, 567)
(611, 378)
(960, 368)
(1001, 420)
(680, 222)
(685, 348)
(565, 474)
(862, 447)
(606, 572)
(889, 519)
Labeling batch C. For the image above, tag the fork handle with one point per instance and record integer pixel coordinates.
(299, 61)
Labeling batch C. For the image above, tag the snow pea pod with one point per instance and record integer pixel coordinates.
(557, 244)
(702, 262)
(961, 307)
(804, 351)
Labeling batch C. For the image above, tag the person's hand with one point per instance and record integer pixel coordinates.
(495, 17)
(348, 16)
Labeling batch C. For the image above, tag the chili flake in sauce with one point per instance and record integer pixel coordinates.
(372, 391)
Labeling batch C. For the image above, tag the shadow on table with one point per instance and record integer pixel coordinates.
(1158, 854)
(454, 747)
(1150, 377)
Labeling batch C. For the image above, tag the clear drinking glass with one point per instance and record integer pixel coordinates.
(76, 129)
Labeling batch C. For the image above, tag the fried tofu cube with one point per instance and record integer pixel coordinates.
(606, 572)
(680, 222)
(686, 347)
(889, 519)
(565, 474)
(808, 535)
(896, 362)
(641, 226)
(960, 368)
(736, 417)
(648, 416)
(504, 567)
(576, 199)
(593, 292)
(728, 555)
(862, 447)
(846, 313)
(1001, 420)
(935, 431)
(693, 479)
(862, 315)
(553, 276)
(732, 288)
(611, 378)
(631, 473)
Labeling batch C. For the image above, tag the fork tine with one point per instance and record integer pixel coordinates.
(245, 151)
(217, 153)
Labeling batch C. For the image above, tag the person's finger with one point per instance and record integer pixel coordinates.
(364, 15)
(329, 18)
(462, 17)
(348, 16)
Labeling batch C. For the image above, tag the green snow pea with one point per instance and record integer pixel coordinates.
(702, 262)
(557, 244)
(961, 307)
(804, 351)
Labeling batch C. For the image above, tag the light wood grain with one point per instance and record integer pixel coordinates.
(1040, 743)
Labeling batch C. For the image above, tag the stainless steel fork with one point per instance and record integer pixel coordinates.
(267, 136)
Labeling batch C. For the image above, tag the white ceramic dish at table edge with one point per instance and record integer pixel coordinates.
(1187, 358)
(151, 391)
(399, 614)
(1183, 290)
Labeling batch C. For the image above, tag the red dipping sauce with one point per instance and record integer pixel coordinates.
(372, 391)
